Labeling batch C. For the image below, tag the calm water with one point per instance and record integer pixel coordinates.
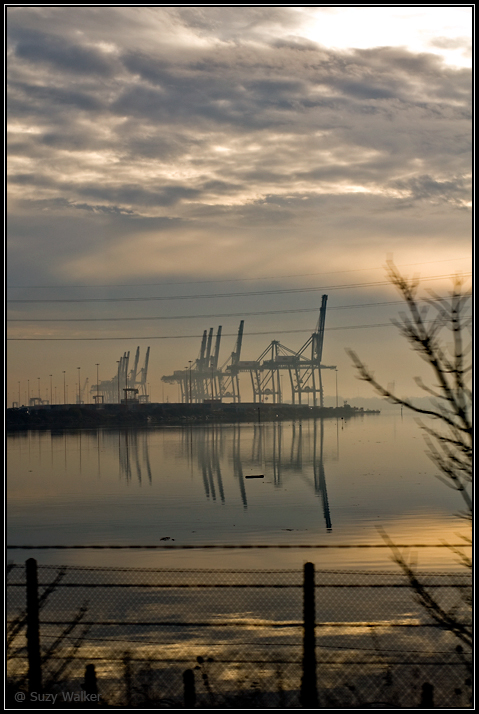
(324, 482)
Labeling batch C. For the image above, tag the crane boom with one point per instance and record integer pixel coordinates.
(217, 349)
(201, 358)
(133, 373)
(319, 335)
(208, 348)
(237, 353)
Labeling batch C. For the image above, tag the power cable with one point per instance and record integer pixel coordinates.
(222, 314)
(252, 293)
(182, 337)
(229, 280)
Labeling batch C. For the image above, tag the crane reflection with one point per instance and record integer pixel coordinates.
(223, 455)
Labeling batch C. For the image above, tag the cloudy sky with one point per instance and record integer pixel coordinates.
(175, 169)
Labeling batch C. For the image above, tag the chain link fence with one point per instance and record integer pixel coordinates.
(234, 638)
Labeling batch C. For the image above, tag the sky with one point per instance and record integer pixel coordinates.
(173, 169)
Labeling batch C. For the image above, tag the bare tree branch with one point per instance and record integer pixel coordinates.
(450, 442)
(448, 619)
(449, 436)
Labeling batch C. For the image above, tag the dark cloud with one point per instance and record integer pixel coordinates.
(364, 90)
(62, 54)
(56, 96)
(31, 178)
(221, 186)
(426, 187)
(139, 195)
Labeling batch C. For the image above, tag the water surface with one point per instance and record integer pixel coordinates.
(312, 482)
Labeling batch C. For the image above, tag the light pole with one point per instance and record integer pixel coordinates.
(118, 380)
(51, 390)
(336, 388)
(64, 389)
(19, 394)
(79, 388)
(39, 388)
(28, 392)
(97, 383)
(191, 394)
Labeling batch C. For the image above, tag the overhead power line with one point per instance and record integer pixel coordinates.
(187, 317)
(232, 280)
(185, 337)
(252, 293)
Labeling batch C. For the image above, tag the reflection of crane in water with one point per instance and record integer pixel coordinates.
(207, 446)
(133, 452)
(279, 465)
(267, 455)
(319, 475)
(238, 464)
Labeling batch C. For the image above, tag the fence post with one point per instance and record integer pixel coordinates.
(90, 685)
(127, 677)
(33, 629)
(309, 690)
(189, 693)
(427, 696)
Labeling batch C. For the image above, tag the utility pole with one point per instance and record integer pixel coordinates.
(191, 394)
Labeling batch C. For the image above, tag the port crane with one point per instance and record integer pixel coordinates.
(204, 380)
(112, 389)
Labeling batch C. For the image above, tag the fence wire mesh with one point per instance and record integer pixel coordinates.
(241, 634)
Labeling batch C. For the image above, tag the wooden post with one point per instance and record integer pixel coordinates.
(189, 693)
(90, 685)
(33, 629)
(127, 677)
(427, 696)
(309, 690)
